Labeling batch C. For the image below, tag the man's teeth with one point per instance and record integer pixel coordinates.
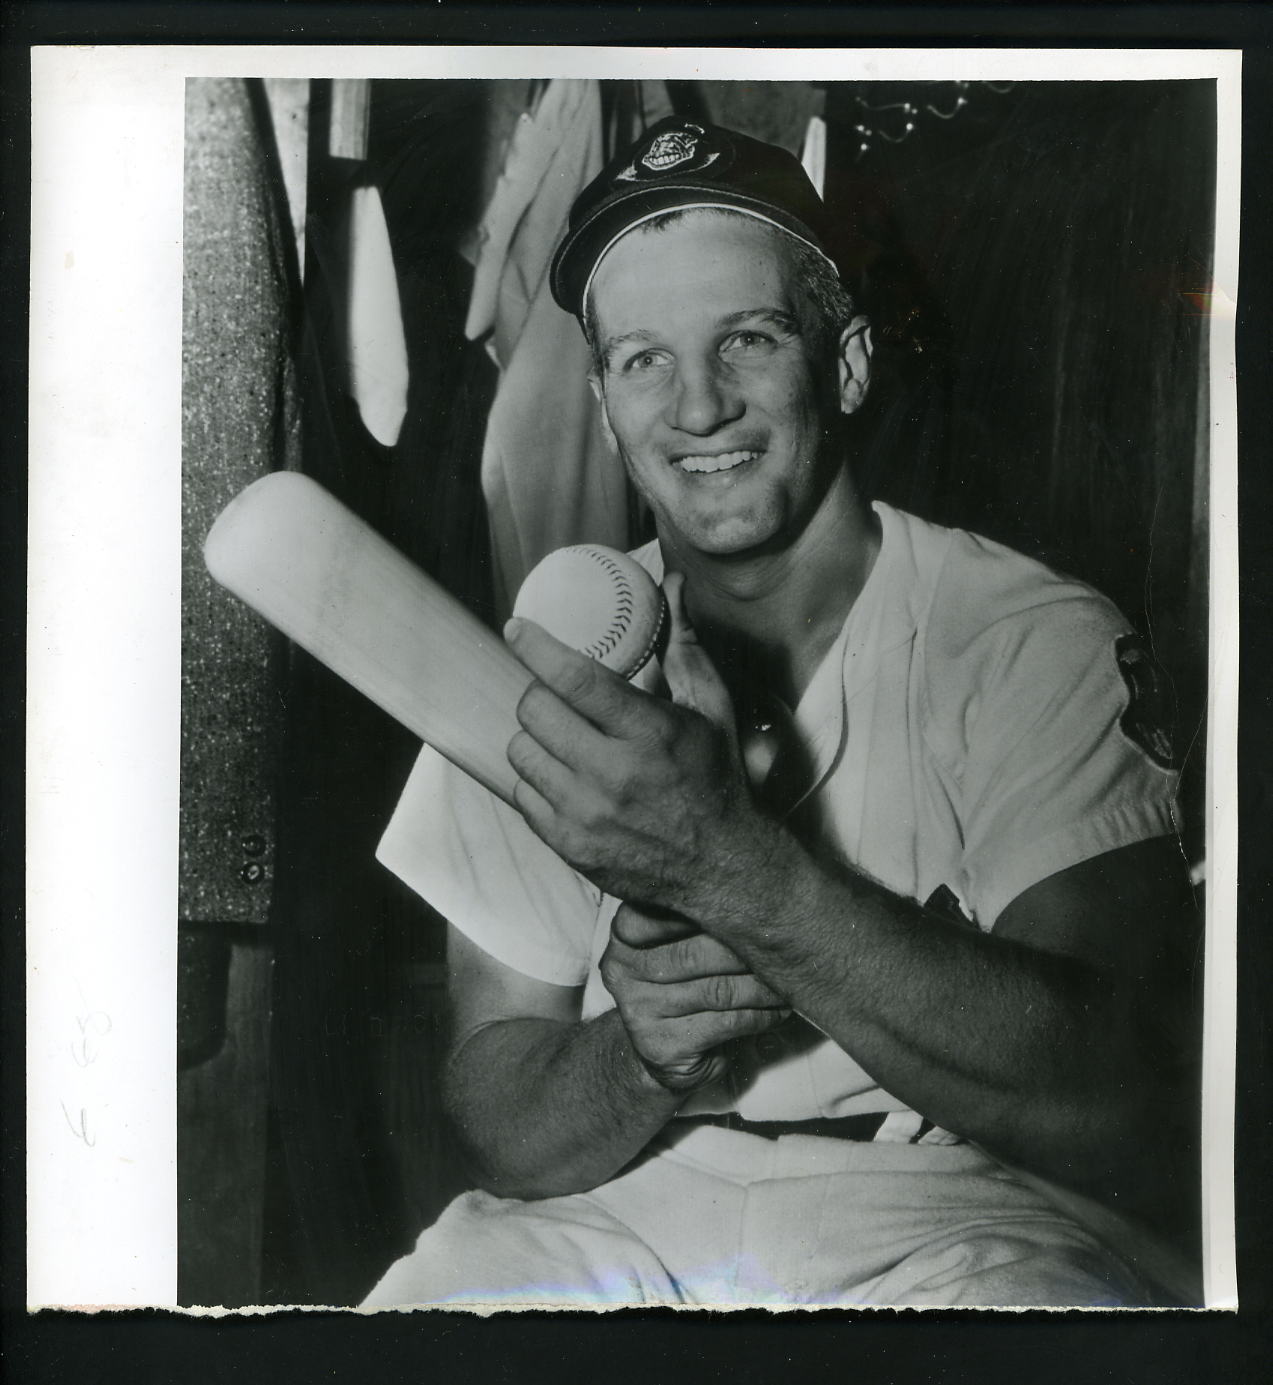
(724, 462)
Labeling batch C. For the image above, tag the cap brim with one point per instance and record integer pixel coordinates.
(580, 254)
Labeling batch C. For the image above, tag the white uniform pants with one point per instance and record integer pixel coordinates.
(725, 1219)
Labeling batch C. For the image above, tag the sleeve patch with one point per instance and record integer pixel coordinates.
(1147, 717)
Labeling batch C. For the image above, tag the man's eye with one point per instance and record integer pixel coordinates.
(644, 360)
(748, 341)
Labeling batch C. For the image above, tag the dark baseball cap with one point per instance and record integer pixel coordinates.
(680, 163)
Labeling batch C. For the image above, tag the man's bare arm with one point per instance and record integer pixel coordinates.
(1065, 1041)
(547, 1104)
(1041, 1041)
(542, 1103)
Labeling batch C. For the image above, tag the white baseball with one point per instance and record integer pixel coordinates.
(597, 600)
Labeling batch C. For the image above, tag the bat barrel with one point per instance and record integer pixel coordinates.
(328, 581)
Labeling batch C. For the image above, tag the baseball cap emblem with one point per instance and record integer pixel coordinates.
(685, 149)
(672, 149)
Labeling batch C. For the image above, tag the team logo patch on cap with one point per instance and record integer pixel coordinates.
(687, 149)
(1148, 712)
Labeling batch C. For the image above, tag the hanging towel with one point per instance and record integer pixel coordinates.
(548, 476)
(377, 343)
(813, 156)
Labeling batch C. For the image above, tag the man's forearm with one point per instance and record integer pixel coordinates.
(545, 1108)
(1041, 1058)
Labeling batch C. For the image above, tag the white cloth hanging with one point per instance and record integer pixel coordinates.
(548, 476)
(813, 156)
(376, 343)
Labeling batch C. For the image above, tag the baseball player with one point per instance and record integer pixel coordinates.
(906, 1016)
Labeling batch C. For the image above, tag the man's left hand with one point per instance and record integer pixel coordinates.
(645, 797)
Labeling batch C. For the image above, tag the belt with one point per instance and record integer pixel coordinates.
(863, 1128)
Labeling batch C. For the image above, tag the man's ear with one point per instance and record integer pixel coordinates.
(854, 364)
(599, 394)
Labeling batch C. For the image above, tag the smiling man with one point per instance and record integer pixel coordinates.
(852, 962)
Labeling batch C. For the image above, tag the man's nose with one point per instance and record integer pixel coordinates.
(706, 398)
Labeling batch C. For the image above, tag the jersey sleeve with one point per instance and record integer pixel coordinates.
(1065, 750)
(478, 864)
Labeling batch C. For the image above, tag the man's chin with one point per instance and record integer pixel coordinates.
(735, 542)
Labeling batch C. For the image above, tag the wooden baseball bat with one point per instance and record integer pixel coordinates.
(328, 581)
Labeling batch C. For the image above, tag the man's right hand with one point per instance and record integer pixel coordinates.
(681, 996)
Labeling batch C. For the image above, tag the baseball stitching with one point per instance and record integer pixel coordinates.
(623, 604)
(624, 607)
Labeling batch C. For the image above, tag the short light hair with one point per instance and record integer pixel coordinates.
(831, 306)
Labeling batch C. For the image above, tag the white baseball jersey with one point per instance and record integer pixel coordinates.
(979, 724)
